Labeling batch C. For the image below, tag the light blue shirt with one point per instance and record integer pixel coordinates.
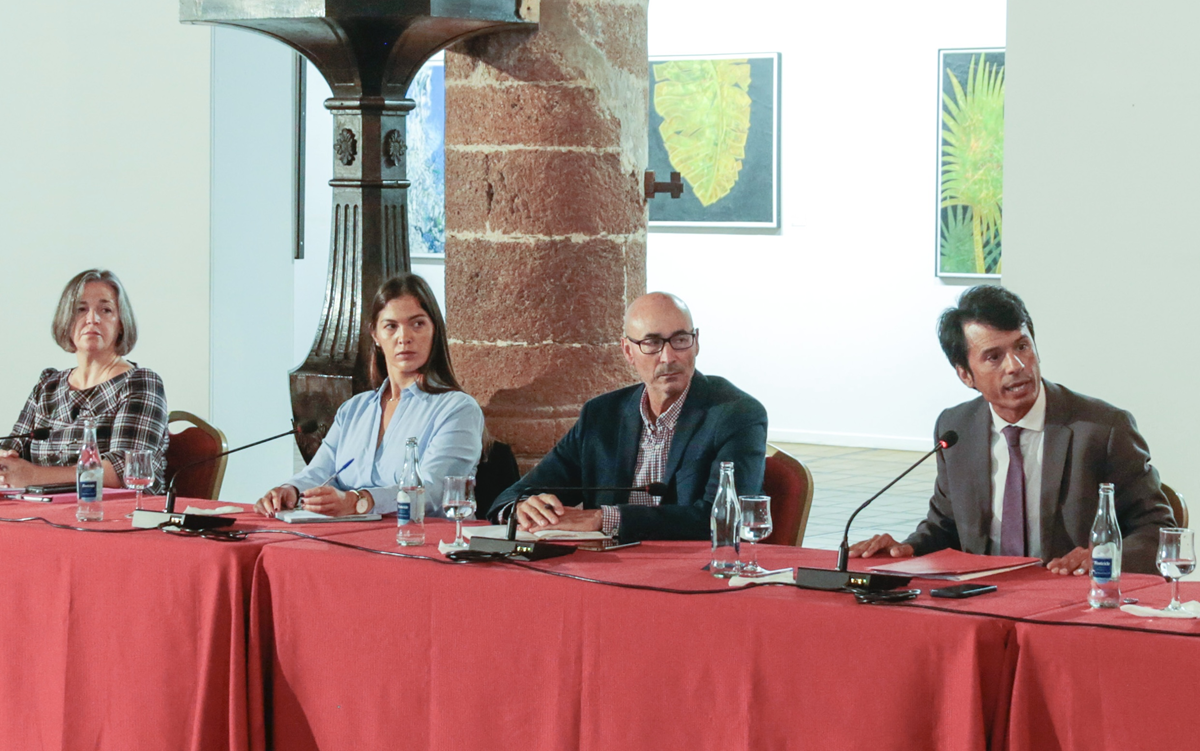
(449, 432)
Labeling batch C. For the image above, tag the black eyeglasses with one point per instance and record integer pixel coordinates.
(652, 345)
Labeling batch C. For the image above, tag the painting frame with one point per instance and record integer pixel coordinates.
(752, 203)
(950, 232)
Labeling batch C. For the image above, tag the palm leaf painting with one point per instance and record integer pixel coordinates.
(705, 106)
(973, 165)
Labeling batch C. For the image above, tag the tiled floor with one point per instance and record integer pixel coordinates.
(845, 477)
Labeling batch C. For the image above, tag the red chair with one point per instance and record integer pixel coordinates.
(790, 485)
(192, 444)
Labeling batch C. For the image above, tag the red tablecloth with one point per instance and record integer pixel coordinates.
(123, 641)
(362, 651)
(1081, 685)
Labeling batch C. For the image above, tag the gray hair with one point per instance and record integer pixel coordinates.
(64, 317)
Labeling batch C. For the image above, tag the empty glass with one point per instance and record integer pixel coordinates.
(139, 474)
(1176, 559)
(756, 525)
(458, 501)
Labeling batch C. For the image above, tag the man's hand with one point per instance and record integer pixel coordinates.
(276, 500)
(880, 543)
(545, 511)
(15, 472)
(1077, 562)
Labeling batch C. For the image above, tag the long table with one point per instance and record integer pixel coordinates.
(142, 640)
(362, 651)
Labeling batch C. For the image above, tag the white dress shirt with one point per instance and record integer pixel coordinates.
(1033, 426)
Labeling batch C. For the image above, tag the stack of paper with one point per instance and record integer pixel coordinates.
(955, 565)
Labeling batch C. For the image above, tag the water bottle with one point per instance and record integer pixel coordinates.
(410, 501)
(1106, 553)
(726, 518)
(89, 477)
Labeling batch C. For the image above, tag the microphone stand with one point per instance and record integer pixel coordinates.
(167, 517)
(840, 578)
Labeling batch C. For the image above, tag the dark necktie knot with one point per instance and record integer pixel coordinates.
(1013, 434)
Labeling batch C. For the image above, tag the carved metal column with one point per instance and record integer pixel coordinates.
(369, 53)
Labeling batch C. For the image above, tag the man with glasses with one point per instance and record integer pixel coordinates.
(674, 428)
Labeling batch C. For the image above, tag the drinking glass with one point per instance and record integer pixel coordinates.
(1176, 559)
(756, 524)
(458, 501)
(139, 474)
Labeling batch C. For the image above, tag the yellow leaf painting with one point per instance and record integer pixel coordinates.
(705, 107)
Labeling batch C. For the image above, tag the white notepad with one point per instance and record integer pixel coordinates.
(303, 516)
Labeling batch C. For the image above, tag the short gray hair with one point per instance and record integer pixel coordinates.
(64, 317)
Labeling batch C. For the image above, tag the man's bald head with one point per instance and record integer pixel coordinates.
(653, 305)
(660, 320)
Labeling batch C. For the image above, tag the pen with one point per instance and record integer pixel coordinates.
(335, 474)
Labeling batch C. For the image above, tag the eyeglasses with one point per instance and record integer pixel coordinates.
(652, 345)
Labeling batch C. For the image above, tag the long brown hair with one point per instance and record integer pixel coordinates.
(437, 374)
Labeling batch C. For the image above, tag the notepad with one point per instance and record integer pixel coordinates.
(500, 532)
(303, 516)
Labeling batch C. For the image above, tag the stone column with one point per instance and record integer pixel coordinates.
(545, 213)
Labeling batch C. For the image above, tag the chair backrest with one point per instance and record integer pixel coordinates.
(192, 444)
(790, 485)
(1178, 505)
(495, 474)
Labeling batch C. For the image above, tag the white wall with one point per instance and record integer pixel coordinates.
(253, 149)
(105, 163)
(1100, 201)
(831, 321)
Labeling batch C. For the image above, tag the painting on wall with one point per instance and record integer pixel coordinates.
(425, 131)
(970, 162)
(715, 120)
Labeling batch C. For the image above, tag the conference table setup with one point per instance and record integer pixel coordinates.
(343, 639)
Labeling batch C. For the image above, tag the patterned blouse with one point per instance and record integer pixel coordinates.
(133, 405)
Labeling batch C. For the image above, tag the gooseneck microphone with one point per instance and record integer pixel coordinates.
(947, 439)
(37, 434)
(840, 578)
(192, 521)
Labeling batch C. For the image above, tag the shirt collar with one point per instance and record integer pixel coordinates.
(412, 389)
(667, 420)
(1034, 419)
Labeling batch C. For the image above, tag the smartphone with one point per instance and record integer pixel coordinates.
(605, 545)
(61, 487)
(959, 591)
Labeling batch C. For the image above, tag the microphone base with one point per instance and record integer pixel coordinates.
(152, 519)
(519, 550)
(836, 581)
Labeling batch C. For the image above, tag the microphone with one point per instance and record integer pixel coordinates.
(37, 434)
(149, 519)
(840, 578)
(533, 551)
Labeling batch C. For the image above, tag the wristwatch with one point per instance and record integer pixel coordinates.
(362, 504)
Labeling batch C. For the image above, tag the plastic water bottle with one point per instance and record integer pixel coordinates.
(1106, 553)
(89, 477)
(410, 501)
(725, 521)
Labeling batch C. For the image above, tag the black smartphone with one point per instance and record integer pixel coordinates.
(61, 487)
(959, 591)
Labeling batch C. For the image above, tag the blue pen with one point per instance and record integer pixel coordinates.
(335, 474)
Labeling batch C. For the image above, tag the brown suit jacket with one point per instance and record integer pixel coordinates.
(1086, 442)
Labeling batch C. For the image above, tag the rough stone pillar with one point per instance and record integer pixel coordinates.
(545, 213)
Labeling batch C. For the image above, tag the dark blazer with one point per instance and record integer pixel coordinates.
(1086, 442)
(718, 423)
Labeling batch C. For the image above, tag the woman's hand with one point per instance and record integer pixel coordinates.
(276, 500)
(329, 501)
(14, 471)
